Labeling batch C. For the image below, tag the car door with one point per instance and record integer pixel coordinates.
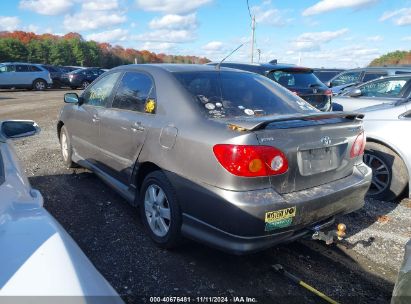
(7, 75)
(381, 91)
(84, 124)
(22, 75)
(124, 126)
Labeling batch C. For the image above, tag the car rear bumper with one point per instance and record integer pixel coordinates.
(235, 221)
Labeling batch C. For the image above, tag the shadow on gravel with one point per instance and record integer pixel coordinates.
(111, 234)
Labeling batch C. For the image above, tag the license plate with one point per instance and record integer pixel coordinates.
(318, 160)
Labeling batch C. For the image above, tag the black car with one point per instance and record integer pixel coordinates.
(325, 75)
(299, 80)
(81, 78)
(55, 73)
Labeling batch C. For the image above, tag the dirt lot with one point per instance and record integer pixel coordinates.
(361, 269)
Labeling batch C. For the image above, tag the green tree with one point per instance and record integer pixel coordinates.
(12, 50)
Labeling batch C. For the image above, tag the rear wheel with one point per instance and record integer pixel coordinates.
(39, 85)
(384, 162)
(160, 211)
(66, 148)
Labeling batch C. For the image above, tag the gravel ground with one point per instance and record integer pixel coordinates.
(362, 268)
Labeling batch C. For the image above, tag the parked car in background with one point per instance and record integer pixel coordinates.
(386, 90)
(388, 150)
(263, 165)
(37, 256)
(55, 73)
(24, 76)
(326, 75)
(299, 80)
(81, 78)
(355, 77)
(402, 288)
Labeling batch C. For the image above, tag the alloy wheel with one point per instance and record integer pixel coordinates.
(380, 174)
(157, 210)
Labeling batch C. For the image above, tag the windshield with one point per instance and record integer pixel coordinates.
(295, 78)
(233, 94)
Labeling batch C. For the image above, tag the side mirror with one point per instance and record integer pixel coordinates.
(12, 129)
(329, 84)
(354, 92)
(71, 98)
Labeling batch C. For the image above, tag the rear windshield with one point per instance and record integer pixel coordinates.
(233, 94)
(295, 78)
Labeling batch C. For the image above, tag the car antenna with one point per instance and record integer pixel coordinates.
(217, 67)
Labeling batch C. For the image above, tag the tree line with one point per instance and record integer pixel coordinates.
(72, 49)
(393, 58)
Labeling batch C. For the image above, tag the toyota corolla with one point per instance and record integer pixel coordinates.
(225, 157)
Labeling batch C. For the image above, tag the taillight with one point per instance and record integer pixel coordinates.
(358, 147)
(328, 92)
(251, 161)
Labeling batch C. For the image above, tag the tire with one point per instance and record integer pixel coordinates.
(166, 233)
(66, 148)
(39, 85)
(84, 84)
(383, 161)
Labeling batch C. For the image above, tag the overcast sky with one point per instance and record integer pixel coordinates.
(329, 33)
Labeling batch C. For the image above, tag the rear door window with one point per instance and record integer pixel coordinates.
(100, 92)
(384, 88)
(373, 75)
(346, 78)
(22, 68)
(133, 92)
(222, 94)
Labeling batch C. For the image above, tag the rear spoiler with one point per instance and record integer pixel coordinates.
(260, 123)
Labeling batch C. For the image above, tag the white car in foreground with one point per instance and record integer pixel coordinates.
(37, 256)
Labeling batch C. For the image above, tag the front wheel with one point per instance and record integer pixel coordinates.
(389, 175)
(39, 85)
(66, 148)
(160, 211)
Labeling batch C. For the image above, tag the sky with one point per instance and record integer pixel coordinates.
(326, 33)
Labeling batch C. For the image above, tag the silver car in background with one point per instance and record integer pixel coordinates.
(37, 256)
(391, 89)
(388, 151)
(21, 75)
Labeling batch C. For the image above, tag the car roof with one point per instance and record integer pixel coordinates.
(379, 68)
(21, 63)
(267, 66)
(174, 68)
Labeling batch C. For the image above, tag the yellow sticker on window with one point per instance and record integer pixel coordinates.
(150, 106)
(273, 216)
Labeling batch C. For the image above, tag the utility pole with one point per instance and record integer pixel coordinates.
(252, 38)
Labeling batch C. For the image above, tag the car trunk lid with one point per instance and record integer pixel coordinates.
(317, 146)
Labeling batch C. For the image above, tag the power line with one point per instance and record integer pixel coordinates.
(249, 12)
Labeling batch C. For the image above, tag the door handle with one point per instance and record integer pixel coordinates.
(96, 118)
(137, 126)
